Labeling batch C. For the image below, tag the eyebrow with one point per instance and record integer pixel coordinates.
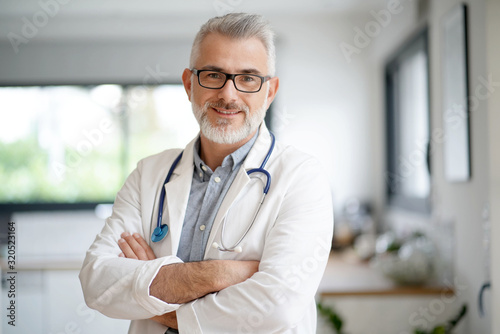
(243, 71)
(251, 71)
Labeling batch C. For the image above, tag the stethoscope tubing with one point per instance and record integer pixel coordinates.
(222, 247)
(162, 196)
(161, 230)
(266, 173)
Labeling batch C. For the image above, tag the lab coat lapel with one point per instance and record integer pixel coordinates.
(253, 160)
(177, 195)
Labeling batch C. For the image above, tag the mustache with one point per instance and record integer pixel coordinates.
(221, 104)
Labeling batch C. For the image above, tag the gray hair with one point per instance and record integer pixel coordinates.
(238, 26)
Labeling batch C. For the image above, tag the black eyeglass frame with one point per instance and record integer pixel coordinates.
(231, 77)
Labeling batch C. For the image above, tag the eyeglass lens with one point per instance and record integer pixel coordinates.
(244, 82)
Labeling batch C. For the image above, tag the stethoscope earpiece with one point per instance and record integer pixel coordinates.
(237, 249)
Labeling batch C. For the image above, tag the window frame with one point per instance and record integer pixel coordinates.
(7, 209)
(394, 199)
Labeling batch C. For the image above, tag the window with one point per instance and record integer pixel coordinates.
(76, 144)
(407, 105)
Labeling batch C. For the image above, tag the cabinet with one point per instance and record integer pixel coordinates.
(51, 301)
(369, 303)
(50, 247)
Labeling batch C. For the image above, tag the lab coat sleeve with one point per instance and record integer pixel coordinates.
(296, 250)
(115, 286)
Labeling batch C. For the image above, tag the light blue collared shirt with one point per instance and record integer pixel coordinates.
(208, 189)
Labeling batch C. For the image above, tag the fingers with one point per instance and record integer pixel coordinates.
(127, 250)
(149, 251)
(135, 247)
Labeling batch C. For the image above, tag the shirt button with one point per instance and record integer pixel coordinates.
(204, 168)
(201, 174)
(202, 228)
(217, 179)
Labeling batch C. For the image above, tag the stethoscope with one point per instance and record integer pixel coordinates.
(161, 230)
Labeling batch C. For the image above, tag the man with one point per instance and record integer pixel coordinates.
(200, 278)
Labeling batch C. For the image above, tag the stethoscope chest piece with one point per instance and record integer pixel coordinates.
(159, 233)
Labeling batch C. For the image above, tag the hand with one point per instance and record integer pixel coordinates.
(135, 247)
(168, 319)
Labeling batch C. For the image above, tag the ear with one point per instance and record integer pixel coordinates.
(274, 84)
(186, 80)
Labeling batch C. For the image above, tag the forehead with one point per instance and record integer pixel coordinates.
(232, 55)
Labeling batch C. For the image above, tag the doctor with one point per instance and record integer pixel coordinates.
(223, 263)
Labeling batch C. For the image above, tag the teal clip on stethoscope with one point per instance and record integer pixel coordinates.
(161, 230)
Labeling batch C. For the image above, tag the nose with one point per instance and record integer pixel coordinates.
(228, 92)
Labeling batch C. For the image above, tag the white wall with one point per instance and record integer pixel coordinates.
(465, 201)
(493, 27)
(323, 107)
(462, 202)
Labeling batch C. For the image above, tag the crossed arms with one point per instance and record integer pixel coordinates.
(292, 258)
(180, 283)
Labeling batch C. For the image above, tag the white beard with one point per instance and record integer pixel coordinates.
(224, 132)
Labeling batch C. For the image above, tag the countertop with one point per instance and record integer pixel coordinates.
(347, 275)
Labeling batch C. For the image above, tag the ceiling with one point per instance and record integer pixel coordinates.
(9, 8)
(152, 19)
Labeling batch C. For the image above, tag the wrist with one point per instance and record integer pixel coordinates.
(156, 289)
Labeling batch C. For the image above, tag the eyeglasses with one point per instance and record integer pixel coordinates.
(246, 83)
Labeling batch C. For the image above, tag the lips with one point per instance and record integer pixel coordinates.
(226, 112)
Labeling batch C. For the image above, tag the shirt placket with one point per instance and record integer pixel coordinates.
(214, 188)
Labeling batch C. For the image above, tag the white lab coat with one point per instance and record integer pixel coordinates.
(291, 238)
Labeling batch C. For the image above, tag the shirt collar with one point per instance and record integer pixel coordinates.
(198, 163)
(240, 154)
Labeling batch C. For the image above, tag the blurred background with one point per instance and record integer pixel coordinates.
(398, 99)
